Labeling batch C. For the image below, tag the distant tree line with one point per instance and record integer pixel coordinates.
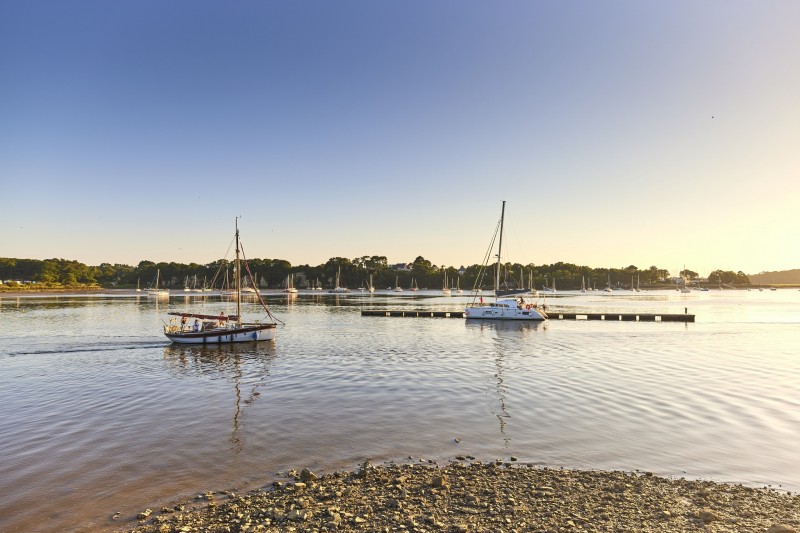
(786, 277)
(274, 273)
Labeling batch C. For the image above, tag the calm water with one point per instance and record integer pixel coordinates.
(102, 415)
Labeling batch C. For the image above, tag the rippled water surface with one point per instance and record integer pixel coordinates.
(101, 415)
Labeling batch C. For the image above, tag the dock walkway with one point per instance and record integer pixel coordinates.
(552, 315)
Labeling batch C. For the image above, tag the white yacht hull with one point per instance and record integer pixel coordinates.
(504, 312)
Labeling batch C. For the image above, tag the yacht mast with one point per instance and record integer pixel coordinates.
(238, 278)
(499, 249)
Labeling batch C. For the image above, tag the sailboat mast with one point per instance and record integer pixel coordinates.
(500, 248)
(238, 278)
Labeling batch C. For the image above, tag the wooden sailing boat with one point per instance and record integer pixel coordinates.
(218, 329)
(504, 308)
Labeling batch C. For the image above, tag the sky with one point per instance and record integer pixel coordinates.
(619, 133)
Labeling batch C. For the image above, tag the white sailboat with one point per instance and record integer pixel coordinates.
(219, 329)
(445, 289)
(608, 287)
(533, 291)
(250, 290)
(290, 285)
(685, 284)
(226, 289)
(583, 283)
(459, 290)
(504, 308)
(397, 287)
(338, 288)
(545, 287)
(154, 291)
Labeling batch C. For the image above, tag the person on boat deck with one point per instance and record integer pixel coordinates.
(183, 323)
(222, 318)
(196, 325)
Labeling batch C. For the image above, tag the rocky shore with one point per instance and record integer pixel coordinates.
(469, 496)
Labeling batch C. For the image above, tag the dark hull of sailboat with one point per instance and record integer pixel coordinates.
(243, 333)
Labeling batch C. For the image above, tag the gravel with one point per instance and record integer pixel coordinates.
(470, 496)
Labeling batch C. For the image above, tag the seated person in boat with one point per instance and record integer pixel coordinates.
(196, 325)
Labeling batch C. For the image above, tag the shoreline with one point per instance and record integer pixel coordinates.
(38, 293)
(467, 495)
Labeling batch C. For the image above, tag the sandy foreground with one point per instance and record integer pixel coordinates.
(469, 496)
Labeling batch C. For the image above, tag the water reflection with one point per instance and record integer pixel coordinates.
(503, 334)
(245, 366)
(525, 328)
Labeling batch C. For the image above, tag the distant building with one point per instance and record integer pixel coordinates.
(401, 267)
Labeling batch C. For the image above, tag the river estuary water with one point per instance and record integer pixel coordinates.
(102, 416)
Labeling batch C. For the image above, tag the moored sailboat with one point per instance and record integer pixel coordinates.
(338, 287)
(608, 287)
(290, 285)
(504, 308)
(154, 291)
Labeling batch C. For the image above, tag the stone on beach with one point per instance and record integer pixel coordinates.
(781, 528)
(491, 497)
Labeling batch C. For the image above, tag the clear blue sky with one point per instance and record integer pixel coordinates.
(619, 132)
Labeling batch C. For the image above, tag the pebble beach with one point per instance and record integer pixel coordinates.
(466, 495)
